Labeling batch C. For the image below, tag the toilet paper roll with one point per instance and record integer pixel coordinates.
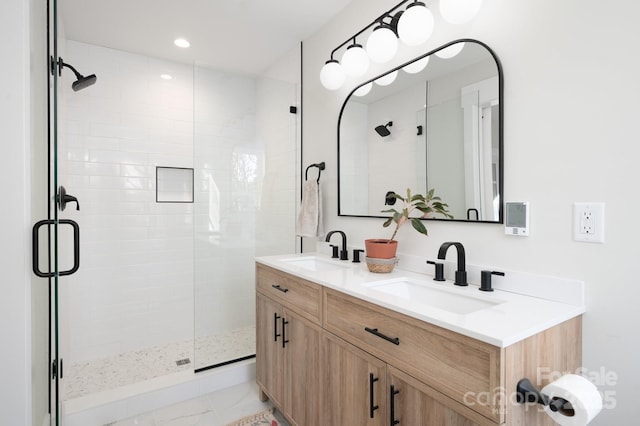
(581, 393)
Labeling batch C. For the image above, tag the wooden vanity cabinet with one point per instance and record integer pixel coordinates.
(351, 362)
(288, 347)
(354, 385)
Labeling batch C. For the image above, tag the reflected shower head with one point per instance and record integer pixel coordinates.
(383, 130)
(81, 81)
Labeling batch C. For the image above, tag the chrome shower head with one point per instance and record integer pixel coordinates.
(81, 81)
(383, 130)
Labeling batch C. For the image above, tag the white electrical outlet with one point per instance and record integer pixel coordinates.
(588, 222)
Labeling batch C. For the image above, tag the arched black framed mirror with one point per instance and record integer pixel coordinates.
(437, 124)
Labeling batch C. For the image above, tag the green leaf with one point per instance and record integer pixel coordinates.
(419, 226)
(387, 222)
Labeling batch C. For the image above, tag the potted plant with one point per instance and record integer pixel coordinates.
(426, 204)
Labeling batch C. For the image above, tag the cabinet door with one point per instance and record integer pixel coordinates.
(353, 385)
(301, 369)
(412, 403)
(269, 353)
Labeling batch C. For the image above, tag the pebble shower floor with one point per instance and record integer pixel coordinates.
(108, 373)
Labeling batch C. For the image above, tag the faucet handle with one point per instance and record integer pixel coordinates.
(356, 255)
(439, 266)
(334, 249)
(485, 279)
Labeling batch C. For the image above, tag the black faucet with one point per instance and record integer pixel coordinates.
(461, 273)
(344, 255)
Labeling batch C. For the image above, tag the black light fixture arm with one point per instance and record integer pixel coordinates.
(379, 20)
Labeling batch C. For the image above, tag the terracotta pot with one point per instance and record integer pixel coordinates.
(381, 248)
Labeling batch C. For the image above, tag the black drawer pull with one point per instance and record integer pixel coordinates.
(372, 407)
(394, 340)
(392, 400)
(284, 332)
(276, 317)
(278, 287)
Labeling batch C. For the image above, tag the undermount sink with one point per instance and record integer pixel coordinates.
(313, 263)
(426, 294)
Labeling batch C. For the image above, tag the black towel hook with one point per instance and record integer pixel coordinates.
(320, 167)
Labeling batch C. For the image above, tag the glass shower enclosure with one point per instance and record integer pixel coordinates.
(182, 175)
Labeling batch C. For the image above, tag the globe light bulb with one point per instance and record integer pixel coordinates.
(364, 90)
(387, 79)
(416, 24)
(355, 61)
(332, 75)
(417, 66)
(459, 11)
(451, 51)
(382, 44)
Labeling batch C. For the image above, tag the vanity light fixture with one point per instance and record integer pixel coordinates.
(416, 24)
(355, 60)
(332, 75)
(382, 43)
(413, 26)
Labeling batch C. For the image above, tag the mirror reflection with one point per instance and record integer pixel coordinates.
(433, 123)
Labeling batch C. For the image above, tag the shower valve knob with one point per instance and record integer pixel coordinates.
(63, 198)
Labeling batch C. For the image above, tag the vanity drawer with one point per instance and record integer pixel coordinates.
(457, 365)
(301, 296)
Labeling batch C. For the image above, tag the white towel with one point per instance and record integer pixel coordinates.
(309, 223)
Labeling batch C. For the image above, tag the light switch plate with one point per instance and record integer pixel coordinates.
(588, 222)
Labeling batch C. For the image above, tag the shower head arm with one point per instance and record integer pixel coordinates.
(62, 64)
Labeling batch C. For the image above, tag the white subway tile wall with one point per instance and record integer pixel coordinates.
(148, 269)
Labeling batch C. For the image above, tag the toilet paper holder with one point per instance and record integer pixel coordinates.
(527, 392)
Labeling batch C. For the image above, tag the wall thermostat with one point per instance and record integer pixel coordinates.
(517, 219)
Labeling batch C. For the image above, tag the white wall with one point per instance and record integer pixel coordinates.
(571, 86)
(400, 147)
(15, 326)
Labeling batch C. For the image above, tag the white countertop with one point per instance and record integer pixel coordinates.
(507, 318)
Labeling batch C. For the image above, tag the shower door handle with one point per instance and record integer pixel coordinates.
(36, 246)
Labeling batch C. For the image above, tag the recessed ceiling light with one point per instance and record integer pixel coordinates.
(180, 42)
(166, 77)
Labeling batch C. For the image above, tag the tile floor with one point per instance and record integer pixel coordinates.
(103, 374)
(214, 409)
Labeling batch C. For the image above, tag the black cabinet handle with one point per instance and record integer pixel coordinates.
(276, 317)
(394, 340)
(392, 401)
(372, 407)
(278, 287)
(284, 332)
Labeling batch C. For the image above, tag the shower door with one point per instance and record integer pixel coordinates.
(55, 241)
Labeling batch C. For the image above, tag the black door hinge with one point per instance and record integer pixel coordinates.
(55, 369)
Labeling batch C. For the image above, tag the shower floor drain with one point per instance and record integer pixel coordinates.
(183, 361)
